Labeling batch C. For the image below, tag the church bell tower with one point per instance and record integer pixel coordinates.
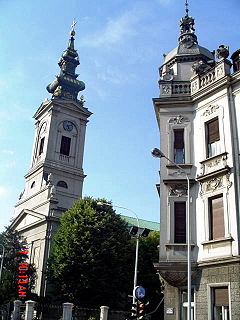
(55, 178)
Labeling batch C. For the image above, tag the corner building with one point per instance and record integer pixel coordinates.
(55, 178)
(198, 114)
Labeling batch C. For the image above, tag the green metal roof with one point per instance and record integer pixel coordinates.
(142, 223)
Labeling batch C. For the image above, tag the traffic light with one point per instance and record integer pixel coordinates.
(145, 232)
(133, 231)
(134, 311)
(142, 310)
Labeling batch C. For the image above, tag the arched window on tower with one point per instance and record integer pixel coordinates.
(66, 146)
(39, 148)
(62, 184)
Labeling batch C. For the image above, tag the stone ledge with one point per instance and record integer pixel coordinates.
(210, 242)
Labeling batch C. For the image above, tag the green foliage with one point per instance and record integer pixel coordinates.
(91, 256)
(13, 243)
(148, 254)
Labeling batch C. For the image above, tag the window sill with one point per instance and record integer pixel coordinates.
(179, 245)
(182, 165)
(225, 239)
(214, 157)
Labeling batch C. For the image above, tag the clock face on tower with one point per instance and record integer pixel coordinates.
(67, 125)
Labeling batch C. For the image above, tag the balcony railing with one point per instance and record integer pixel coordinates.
(175, 89)
(64, 158)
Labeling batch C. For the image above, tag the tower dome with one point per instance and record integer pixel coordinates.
(179, 61)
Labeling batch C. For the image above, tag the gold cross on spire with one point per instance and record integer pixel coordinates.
(72, 32)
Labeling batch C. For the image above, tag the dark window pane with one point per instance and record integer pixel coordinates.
(62, 184)
(179, 139)
(216, 218)
(180, 222)
(41, 146)
(179, 146)
(65, 145)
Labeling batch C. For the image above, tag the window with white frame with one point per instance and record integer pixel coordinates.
(213, 138)
(220, 303)
(216, 217)
(179, 154)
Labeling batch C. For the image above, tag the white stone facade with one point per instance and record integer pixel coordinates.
(195, 91)
(44, 200)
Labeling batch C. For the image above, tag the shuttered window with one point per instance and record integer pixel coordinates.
(221, 297)
(179, 146)
(180, 222)
(65, 145)
(220, 304)
(216, 217)
(213, 138)
(213, 131)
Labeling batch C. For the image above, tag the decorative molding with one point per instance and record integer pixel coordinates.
(178, 119)
(166, 89)
(228, 182)
(213, 163)
(219, 71)
(214, 184)
(210, 110)
(178, 190)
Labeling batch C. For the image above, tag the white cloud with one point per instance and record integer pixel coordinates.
(115, 31)
(3, 192)
(9, 164)
(10, 152)
(114, 75)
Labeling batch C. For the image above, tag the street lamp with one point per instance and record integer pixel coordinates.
(2, 257)
(137, 245)
(159, 154)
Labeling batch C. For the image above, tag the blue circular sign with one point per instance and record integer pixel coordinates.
(139, 292)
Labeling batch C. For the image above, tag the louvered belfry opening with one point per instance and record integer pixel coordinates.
(216, 218)
(180, 222)
(65, 145)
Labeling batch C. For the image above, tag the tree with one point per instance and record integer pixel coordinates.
(91, 256)
(147, 277)
(14, 246)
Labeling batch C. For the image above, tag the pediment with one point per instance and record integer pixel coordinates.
(27, 218)
(44, 105)
(72, 105)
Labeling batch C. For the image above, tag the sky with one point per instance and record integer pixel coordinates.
(120, 44)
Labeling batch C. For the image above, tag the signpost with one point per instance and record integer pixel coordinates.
(139, 293)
